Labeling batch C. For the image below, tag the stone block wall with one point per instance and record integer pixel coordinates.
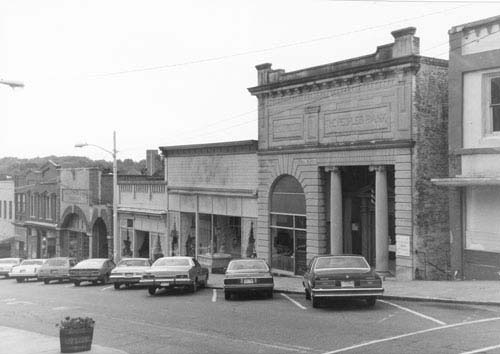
(430, 160)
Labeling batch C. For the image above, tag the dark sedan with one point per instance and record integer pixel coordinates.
(93, 270)
(342, 276)
(248, 275)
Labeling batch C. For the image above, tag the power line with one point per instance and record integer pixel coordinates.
(426, 1)
(262, 50)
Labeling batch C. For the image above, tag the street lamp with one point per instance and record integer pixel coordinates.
(12, 84)
(116, 243)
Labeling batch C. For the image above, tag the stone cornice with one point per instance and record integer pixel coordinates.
(361, 145)
(224, 148)
(336, 78)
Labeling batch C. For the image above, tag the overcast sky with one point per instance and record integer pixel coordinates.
(176, 72)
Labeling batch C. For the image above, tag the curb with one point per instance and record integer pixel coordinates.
(396, 297)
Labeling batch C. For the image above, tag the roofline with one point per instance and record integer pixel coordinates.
(462, 27)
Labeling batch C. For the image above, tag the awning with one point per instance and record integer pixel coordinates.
(40, 224)
(142, 211)
(461, 181)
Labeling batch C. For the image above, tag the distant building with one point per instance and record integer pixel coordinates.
(10, 246)
(474, 147)
(64, 212)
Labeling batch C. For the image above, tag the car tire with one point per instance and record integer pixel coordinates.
(308, 294)
(227, 295)
(46, 281)
(19, 280)
(76, 282)
(315, 301)
(117, 286)
(151, 290)
(371, 301)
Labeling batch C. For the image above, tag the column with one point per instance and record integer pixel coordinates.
(336, 234)
(381, 221)
(365, 234)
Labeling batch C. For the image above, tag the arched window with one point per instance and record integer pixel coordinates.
(288, 226)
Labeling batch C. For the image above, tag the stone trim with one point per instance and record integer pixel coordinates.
(224, 148)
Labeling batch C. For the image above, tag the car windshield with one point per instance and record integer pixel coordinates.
(248, 265)
(91, 263)
(57, 262)
(341, 262)
(171, 262)
(133, 263)
(8, 261)
(32, 262)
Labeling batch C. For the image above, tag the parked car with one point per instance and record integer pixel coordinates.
(248, 275)
(56, 269)
(28, 269)
(6, 265)
(129, 271)
(341, 276)
(175, 272)
(93, 270)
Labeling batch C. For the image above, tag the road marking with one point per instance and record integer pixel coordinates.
(293, 301)
(482, 350)
(9, 299)
(68, 286)
(388, 339)
(214, 295)
(414, 312)
(64, 308)
(20, 303)
(107, 288)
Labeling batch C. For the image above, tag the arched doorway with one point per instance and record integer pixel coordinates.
(99, 239)
(74, 240)
(288, 226)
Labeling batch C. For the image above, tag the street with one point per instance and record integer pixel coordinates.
(177, 322)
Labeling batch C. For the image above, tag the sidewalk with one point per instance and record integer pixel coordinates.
(19, 341)
(465, 292)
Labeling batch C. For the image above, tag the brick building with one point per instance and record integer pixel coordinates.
(345, 155)
(10, 246)
(474, 148)
(64, 212)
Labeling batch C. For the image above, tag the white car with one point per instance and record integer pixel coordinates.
(129, 271)
(28, 269)
(6, 265)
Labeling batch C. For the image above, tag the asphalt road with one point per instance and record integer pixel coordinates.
(204, 322)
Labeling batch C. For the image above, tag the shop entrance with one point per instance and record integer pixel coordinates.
(358, 201)
(288, 226)
(99, 239)
(141, 244)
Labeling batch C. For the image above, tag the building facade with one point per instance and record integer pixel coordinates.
(345, 156)
(474, 147)
(212, 201)
(64, 212)
(9, 245)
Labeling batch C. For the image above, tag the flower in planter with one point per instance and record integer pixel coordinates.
(76, 322)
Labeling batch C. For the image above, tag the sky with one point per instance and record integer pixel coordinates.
(163, 73)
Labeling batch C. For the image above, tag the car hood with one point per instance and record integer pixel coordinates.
(130, 269)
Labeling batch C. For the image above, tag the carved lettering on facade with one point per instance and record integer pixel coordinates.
(372, 119)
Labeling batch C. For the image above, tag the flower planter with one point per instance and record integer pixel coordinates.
(74, 340)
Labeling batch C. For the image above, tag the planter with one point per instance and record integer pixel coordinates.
(216, 262)
(74, 340)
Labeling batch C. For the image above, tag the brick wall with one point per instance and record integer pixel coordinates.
(430, 160)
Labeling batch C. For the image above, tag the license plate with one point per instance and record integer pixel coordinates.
(248, 281)
(22, 270)
(128, 274)
(347, 284)
(165, 284)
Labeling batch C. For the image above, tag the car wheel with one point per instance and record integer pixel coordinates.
(308, 294)
(151, 290)
(46, 281)
(76, 282)
(227, 295)
(19, 280)
(371, 301)
(117, 286)
(315, 301)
